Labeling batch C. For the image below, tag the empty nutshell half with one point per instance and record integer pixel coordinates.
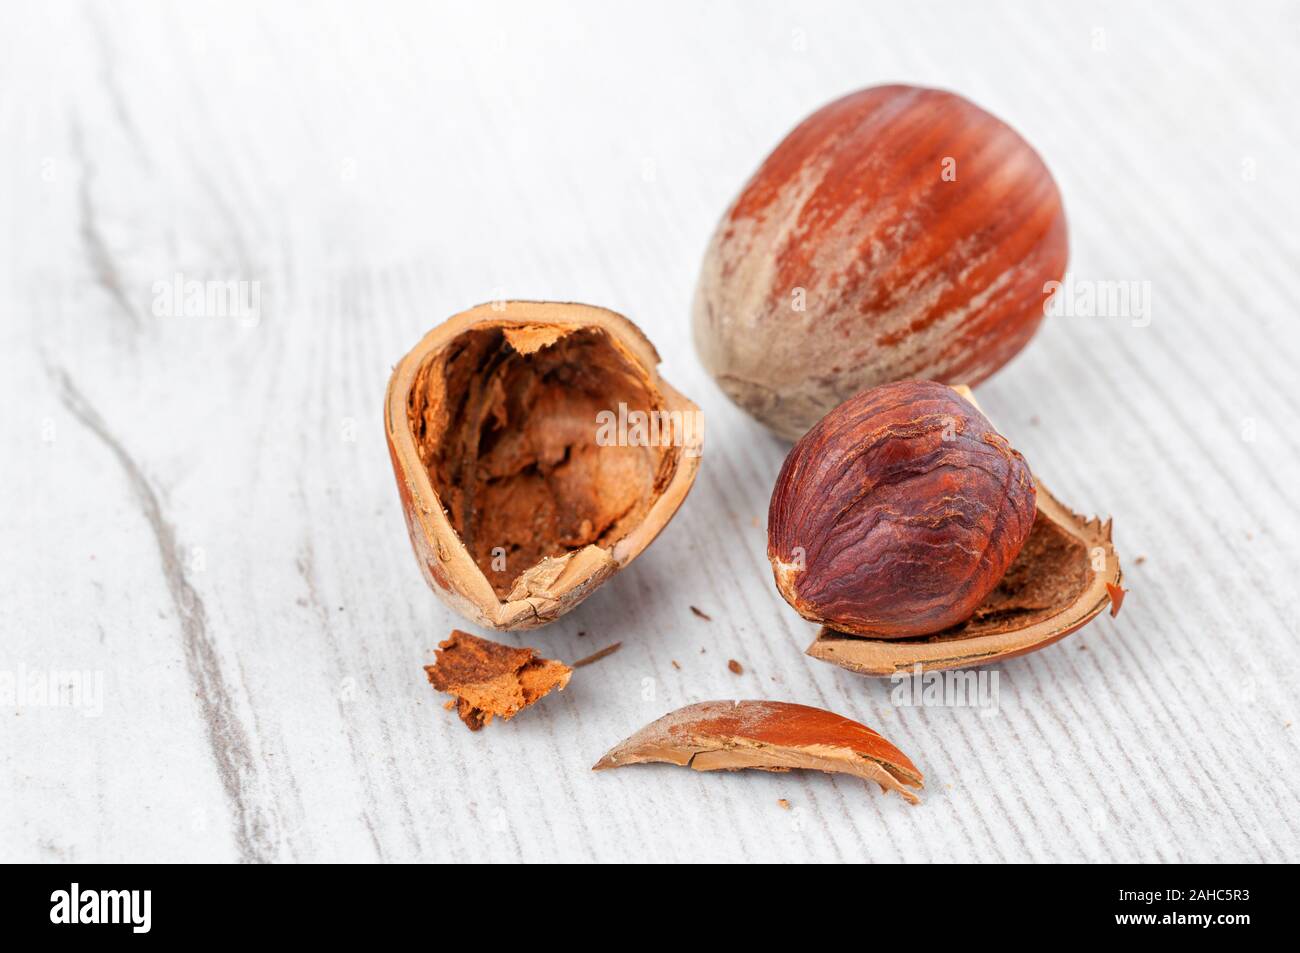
(1064, 574)
(537, 451)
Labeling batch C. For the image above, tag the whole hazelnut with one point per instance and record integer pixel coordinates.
(896, 233)
(898, 513)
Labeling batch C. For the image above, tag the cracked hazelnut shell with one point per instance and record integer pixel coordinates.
(898, 513)
(896, 233)
(1066, 573)
(516, 509)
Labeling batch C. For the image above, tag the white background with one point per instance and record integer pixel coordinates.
(204, 513)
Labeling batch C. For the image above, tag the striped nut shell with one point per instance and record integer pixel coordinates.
(896, 233)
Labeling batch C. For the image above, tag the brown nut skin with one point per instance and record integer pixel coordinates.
(898, 513)
(896, 233)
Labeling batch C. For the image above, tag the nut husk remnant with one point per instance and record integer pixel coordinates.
(516, 505)
(767, 736)
(1066, 573)
(490, 679)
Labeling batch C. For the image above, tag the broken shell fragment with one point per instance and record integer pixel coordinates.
(1117, 593)
(537, 452)
(767, 736)
(489, 679)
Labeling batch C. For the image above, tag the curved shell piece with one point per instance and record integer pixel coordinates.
(767, 736)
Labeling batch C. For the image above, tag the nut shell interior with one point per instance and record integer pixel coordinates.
(518, 503)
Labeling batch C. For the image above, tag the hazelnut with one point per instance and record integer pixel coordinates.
(896, 233)
(898, 513)
(1066, 573)
(537, 452)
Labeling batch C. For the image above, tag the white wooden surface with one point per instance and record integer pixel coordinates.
(204, 513)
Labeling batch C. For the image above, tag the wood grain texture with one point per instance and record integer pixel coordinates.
(201, 509)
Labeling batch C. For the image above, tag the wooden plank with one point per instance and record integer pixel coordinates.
(200, 511)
